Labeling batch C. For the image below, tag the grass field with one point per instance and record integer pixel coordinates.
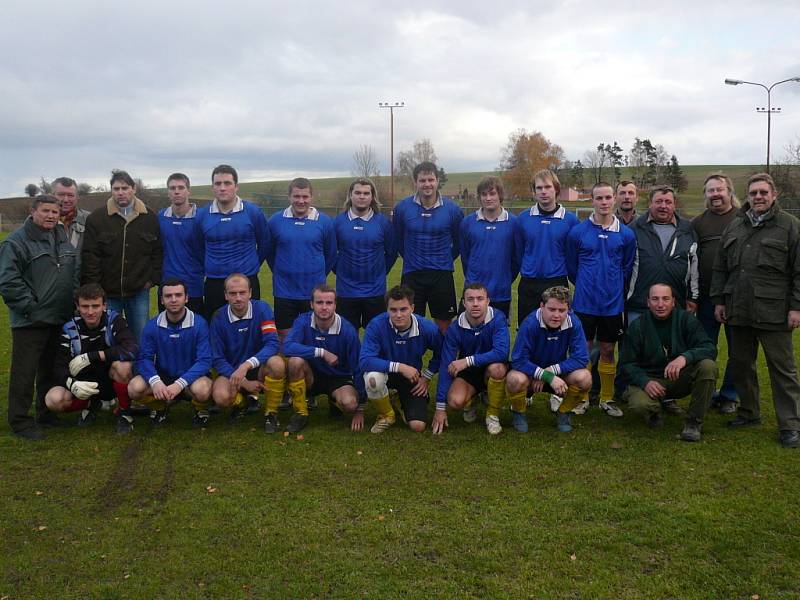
(612, 510)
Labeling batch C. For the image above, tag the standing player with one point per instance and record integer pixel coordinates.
(366, 253)
(600, 255)
(95, 360)
(244, 345)
(474, 357)
(427, 231)
(174, 357)
(232, 236)
(323, 350)
(487, 245)
(391, 356)
(541, 238)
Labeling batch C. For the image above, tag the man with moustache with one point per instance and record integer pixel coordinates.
(72, 216)
(626, 196)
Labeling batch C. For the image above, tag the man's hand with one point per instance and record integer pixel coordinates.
(330, 358)
(160, 391)
(559, 386)
(537, 385)
(720, 314)
(455, 367)
(80, 362)
(82, 389)
(439, 422)
(673, 370)
(408, 372)
(238, 376)
(691, 307)
(794, 319)
(357, 424)
(252, 386)
(172, 391)
(655, 390)
(421, 387)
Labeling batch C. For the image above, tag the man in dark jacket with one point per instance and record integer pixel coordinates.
(122, 251)
(756, 290)
(37, 279)
(667, 354)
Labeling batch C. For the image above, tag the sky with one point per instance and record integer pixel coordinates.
(286, 89)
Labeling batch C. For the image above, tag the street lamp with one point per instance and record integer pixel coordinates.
(391, 106)
(768, 109)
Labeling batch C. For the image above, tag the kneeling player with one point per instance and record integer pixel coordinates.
(94, 360)
(174, 357)
(391, 357)
(549, 355)
(244, 343)
(474, 356)
(323, 349)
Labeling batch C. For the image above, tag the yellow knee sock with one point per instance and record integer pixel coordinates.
(495, 393)
(384, 407)
(607, 371)
(518, 401)
(571, 399)
(273, 393)
(150, 402)
(237, 400)
(199, 404)
(297, 390)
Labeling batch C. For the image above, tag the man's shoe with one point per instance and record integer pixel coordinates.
(671, 407)
(655, 420)
(87, 417)
(555, 402)
(519, 421)
(33, 434)
(493, 425)
(727, 407)
(581, 408)
(691, 431)
(611, 409)
(311, 402)
(271, 424)
(124, 424)
(470, 413)
(742, 421)
(158, 417)
(382, 424)
(237, 414)
(564, 422)
(253, 405)
(200, 419)
(790, 439)
(297, 423)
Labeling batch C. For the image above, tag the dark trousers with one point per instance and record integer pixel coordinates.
(705, 313)
(32, 353)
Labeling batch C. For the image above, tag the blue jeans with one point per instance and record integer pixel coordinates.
(705, 313)
(136, 310)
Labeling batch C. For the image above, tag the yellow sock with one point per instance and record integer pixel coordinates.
(571, 399)
(237, 400)
(297, 390)
(518, 401)
(384, 407)
(607, 370)
(495, 393)
(273, 394)
(199, 405)
(150, 402)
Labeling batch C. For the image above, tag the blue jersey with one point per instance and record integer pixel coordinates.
(542, 239)
(427, 238)
(488, 253)
(180, 259)
(252, 338)
(481, 346)
(384, 348)
(600, 263)
(366, 252)
(233, 242)
(303, 252)
(538, 347)
(179, 351)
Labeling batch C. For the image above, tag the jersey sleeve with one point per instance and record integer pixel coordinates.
(389, 245)
(370, 357)
(329, 240)
(501, 343)
(578, 350)
(294, 344)
(449, 354)
(202, 354)
(145, 360)
(125, 346)
(218, 355)
(270, 344)
(521, 354)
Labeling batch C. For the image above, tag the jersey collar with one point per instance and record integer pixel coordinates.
(502, 217)
(237, 206)
(188, 215)
(232, 318)
(188, 320)
(464, 323)
(313, 214)
(613, 226)
(335, 329)
(436, 204)
(413, 331)
(352, 216)
(565, 325)
(558, 214)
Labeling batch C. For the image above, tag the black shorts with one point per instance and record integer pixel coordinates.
(606, 329)
(435, 288)
(98, 373)
(475, 376)
(214, 293)
(415, 408)
(530, 291)
(360, 311)
(327, 384)
(184, 395)
(287, 310)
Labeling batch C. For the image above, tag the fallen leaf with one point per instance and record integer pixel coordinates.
(38, 493)
(211, 489)
(359, 452)
(40, 527)
(301, 437)
(755, 597)
(285, 434)
(381, 518)
(573, 556)
(127, 576)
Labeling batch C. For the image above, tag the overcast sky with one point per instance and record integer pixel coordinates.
(279, 89)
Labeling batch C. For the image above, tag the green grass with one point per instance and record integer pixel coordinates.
(613, 510)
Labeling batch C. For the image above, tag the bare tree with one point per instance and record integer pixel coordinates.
(422, 152)
(365, 162)
(45, 186)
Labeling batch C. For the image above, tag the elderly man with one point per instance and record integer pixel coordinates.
(72, 216)
(756, 290)
(666, 354)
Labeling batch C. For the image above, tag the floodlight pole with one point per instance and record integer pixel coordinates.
(768, 110)
(391, 106)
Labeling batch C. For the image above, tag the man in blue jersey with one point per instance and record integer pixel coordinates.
(549, 355)
(232, 236)
(303, 253)
(174, 358)
(244, 346)
(177, 229)
(474, 360)
(541, 238)
(427, 229)
(600, 255)
(391, 357)
(323, 350)
(366, 253)
(487, 245)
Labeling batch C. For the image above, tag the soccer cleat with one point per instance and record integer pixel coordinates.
(297, 423)
(742, 421)
(691, 431)
(87, 417)
(727, 407)
(529, 400)
(237, 414)
(382, 424)
(124, 424)
(158, 417)
(200, 419)
(311, 402)
(790, 438)
(493, 425)
(271, 424)
(670, 406)
(581, 408)
(555, 402)
(253, 405)
(563, 422)
(470, 414)
(611, 409)
(519, 421)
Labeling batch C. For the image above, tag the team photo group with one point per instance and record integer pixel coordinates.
(621, 311)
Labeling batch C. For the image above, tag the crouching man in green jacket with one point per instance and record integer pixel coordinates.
(667, 354)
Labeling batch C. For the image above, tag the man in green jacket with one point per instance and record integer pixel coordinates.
(756, 289)
(667, 354)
